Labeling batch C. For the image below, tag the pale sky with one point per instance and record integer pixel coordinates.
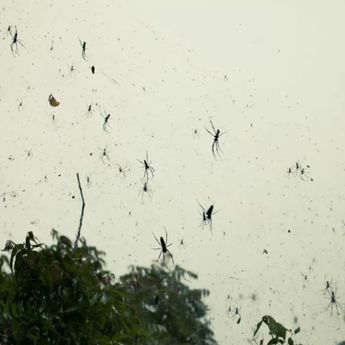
(269, 74)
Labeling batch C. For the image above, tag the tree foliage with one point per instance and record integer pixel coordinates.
(63, 295)
(173, 312)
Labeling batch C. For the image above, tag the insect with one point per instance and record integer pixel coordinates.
(93, 69)
(164, 251)
(333, 302)
(83, 50)
(207, 216)
(147, 167)
(216, 135)
(15, 40)
(52, 101)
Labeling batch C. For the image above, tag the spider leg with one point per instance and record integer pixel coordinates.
(156, 239)
(204, 208)
(171, 256)
(18, 41)
(210, 223)
(166, 236)
(209, 131)
(213, 127)
(213, 146)
(16, 48)
(160, 256)
(152, 171)
(218, 149)
(218, 146)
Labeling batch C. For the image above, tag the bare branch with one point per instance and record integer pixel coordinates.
(82, 211)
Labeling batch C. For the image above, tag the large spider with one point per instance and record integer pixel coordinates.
(164, 251)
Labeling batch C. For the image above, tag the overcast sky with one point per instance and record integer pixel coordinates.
(270, 77)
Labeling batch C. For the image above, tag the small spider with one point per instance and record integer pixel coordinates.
(147, 167)
(207, 216)
(145, 190)
(15, 40)
(89, 110)
(333, 302)
(106, 121)
(303, 174)
(88, 181)
(104, 155)
(327, 287)
(83, 50)
(20, 105)
(216, 135)
(164, 251)
(122, 171)
(234, 314)
(72, 70)
(289, 172)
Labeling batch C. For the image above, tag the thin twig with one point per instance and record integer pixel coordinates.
(82, 211)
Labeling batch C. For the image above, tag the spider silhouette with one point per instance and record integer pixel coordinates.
(145, 190)
(207, 216)
(333, 301)
(163, 247)
(216, 135)
(15, 40)
(106, 124)
(148, 168)
(234, 313)
(83, 49)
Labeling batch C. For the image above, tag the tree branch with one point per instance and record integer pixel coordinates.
(82, 212)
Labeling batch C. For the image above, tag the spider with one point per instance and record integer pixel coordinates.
(104, 155)
(302, 171)
(122, 171)
(164, 251)
(83, 50)
(333, 301)
(145, 190)
(216, 135)
(289, 172)
(147, 167)
(234, 313)
(89, 110)
(72, 70)
(88, 182)
(106, 121)
(327, 288)
(15, 40)
(207, 216)
(303, 175)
